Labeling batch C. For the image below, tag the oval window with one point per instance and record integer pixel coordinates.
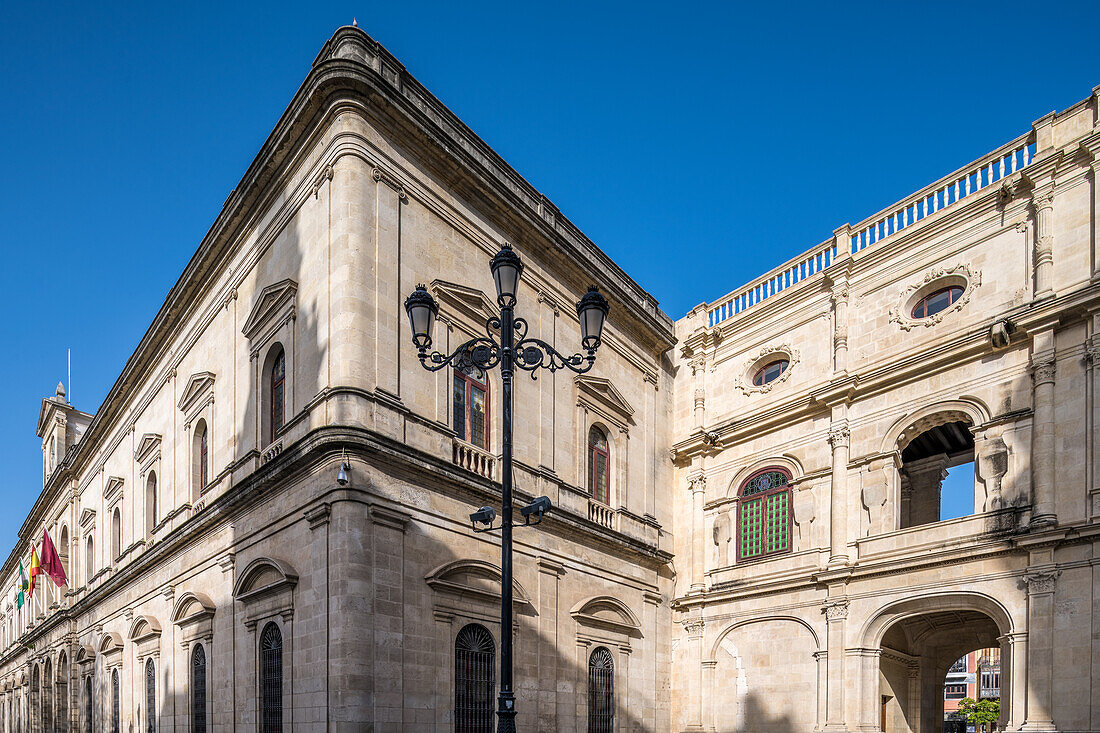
(933, 303)
(769, 372)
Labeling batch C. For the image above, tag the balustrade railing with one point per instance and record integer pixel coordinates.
(601, 514)
(473, 459)
(945, 192)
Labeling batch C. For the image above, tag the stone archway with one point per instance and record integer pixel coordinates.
(914, 643)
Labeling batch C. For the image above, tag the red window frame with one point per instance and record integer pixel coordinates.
(594, 452)
(761, 498)
(278, 394)
(923, 302)
(758, 378)
(467, 406)
(202, 456)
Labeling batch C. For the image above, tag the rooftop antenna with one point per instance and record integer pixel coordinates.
(69, 380)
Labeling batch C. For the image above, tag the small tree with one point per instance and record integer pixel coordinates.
(981, 713)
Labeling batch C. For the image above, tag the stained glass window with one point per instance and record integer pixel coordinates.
(278, 393)
(599, 484)
(765, 520)
(470, 406)
(150, 697)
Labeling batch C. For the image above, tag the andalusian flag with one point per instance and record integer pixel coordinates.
(36, 568)
(22, 586)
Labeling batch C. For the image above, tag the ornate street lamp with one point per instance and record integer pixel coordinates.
(512, 350)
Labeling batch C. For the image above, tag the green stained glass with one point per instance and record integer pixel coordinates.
(776, 523)
(752, 528)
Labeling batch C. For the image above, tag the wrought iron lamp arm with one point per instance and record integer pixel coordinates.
(533, 354)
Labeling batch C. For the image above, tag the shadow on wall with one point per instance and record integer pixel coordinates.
(754, 710)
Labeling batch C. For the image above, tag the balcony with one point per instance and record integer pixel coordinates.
(473, 459)
(601, 514)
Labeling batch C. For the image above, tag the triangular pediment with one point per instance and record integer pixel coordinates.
(274, 301)
(602, 395)
(460, 300)
(148, 445)
(112, 487)
(199, 386)
(87, 517)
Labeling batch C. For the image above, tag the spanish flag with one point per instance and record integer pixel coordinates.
(36, 568)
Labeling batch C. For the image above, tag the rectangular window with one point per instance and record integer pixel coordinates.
(775, 537)
(459, 406)
(599, 479)
(477, 416)
(752, 534)
(954, 692)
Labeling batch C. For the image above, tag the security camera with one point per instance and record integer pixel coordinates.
(532, 513)
(485, 515)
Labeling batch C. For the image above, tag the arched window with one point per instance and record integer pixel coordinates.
(88, 707)
(115, 702)
(271, 679)
(599, 459)
(32, 702)
(601, 692)
(151, 502)
(63, 550)
(150, 697)
(61, 720)
(200, 459)
(769, 372)
(470, 406)
(116, 534)
(474, 680)
(764, 515)
(89, 561)
(277, 393)
(47, 695)
(940, 300)
(198, 689)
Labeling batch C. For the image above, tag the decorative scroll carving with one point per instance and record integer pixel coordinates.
(1043, 369)
(1041, 582)
(765, 355)
(693, 627)
(961, 275)
(836, 610)
(839, 435)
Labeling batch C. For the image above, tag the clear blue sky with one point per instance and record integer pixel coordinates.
(699, 145)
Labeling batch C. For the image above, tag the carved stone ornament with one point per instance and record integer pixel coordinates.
(762, 358)
(835, 610)
(1092, 354)
(839, 435)
(1043, 369)
(693, 627)
(933, 280)
(697, 482)
(1041, 582)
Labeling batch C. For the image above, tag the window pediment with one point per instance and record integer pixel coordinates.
(194, 615)
(144, 628)
(197, 394)
(110, 646)
(112, 487)
(469, 303)
(609, 613)
(147, 448)
(274, 306)
(474, 580)
(87, 518)
(264, 577)
(600, 395)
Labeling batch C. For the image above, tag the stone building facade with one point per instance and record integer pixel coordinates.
(223, 577)
(818, 409)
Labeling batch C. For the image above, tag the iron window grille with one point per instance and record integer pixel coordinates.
(475, 680)
(601, 692)
(198, 689)
(150, 697)
(271, 679)
(116, 702)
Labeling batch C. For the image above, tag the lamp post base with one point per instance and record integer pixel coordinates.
(506, 713)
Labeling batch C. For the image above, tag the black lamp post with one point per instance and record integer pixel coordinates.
(512, 350)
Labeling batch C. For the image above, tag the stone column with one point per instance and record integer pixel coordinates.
(840, 327)
(693, 709)
(838, 503)
(1004, 722)
(698, 547)
(549, 576)
(698, 368)
(1040, 653)
(869, 690)
(913, 712)
(1042, 201)
(1095, 166)
(1042, 435)
(707, 712)
(352, 249)
(1017, 643)
(1092, 418)
(836, 612)
(822, 658)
